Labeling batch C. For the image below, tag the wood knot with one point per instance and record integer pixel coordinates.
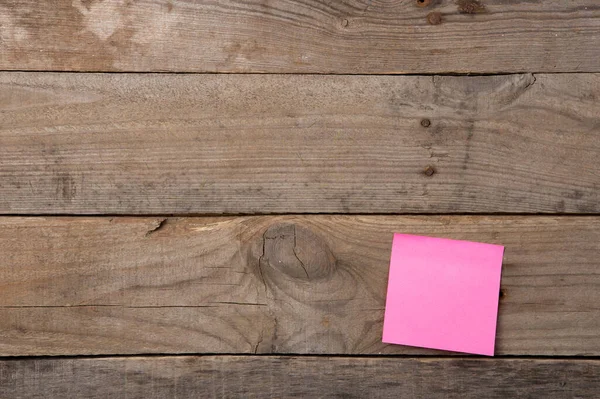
(296, 252)
(434, 18)
(470, 6)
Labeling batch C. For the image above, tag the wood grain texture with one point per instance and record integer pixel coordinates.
(293, 377)
(300, 36)
(285, 284)
(214, 144)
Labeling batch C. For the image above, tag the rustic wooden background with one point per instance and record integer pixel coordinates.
(197, 198)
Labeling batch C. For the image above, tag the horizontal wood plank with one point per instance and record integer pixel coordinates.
(273, 284)
(293, 377)
(308, 36)
(214, 144)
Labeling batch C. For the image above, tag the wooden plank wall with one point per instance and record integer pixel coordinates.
(302, 36)
(287, 376)
(197, 198)
(213, 144)
(275, 284)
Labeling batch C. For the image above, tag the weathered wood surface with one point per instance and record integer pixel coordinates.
(213, 144)
(285, 284)
(310, 36)
(306, 377)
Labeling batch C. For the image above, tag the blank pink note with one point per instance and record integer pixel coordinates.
(443, 294)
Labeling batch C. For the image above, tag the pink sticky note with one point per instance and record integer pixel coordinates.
(443, 294)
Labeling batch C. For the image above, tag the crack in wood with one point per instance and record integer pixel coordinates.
(296, 255)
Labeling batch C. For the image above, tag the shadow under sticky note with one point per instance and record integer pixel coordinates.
(443, 294)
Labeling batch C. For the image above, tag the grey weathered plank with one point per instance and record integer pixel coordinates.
(306, 377)
(308, 36)
(285, 284)
(189, 144)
